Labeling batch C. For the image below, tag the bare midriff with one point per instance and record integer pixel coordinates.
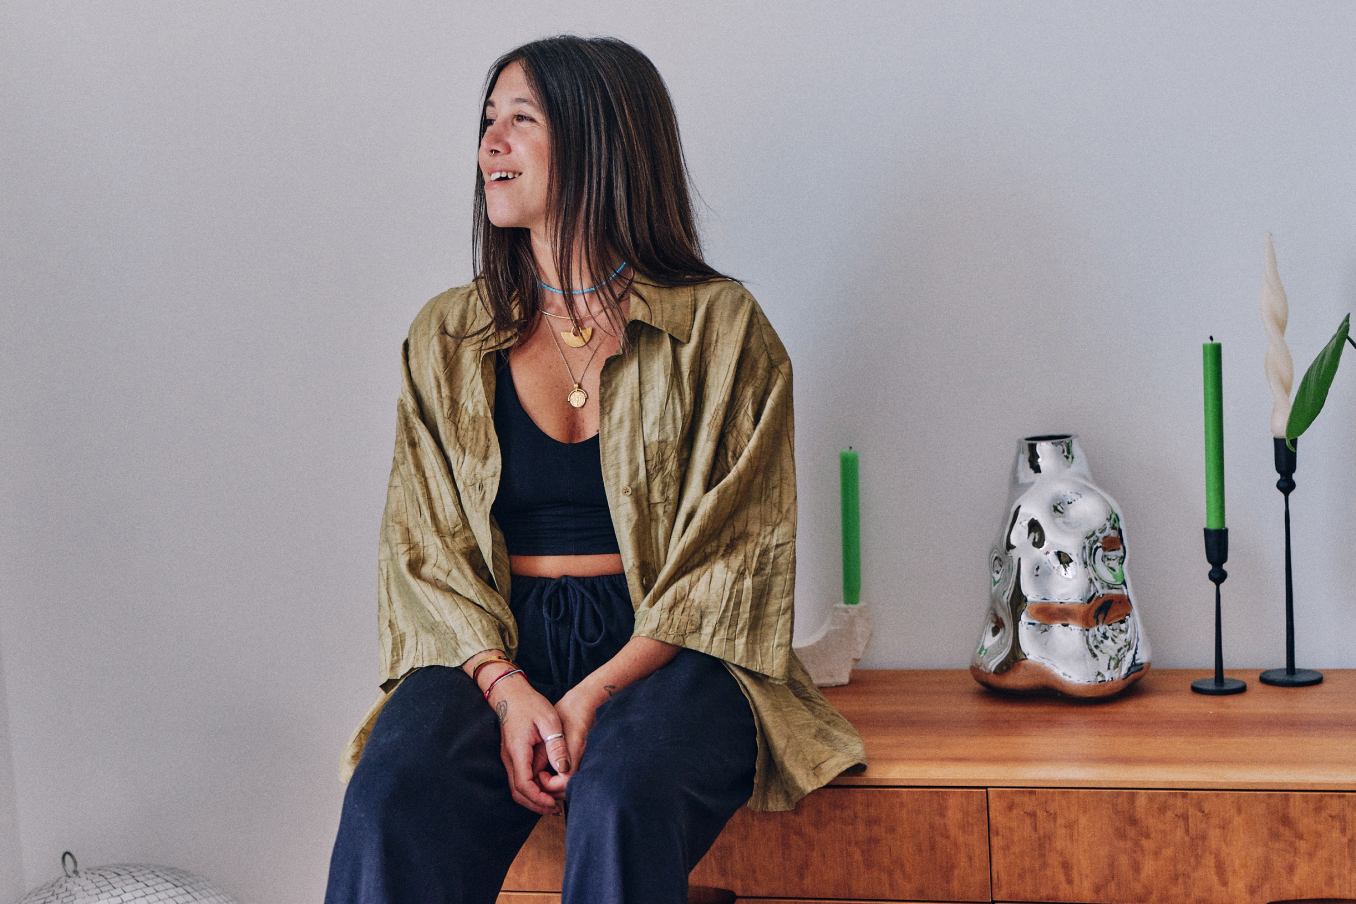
(577, 566)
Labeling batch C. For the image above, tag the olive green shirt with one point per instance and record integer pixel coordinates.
(697, 445)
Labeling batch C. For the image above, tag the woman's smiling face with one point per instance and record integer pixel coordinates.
(515, 141)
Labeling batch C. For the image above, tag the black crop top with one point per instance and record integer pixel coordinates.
(551, 499)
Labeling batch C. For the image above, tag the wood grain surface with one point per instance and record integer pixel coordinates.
(939, 727)
(895, 843)
(514, 897)
(695, 896)
(1205, 847)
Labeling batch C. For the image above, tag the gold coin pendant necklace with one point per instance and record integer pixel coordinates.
(577, 397)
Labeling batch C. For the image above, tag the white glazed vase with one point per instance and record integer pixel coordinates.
(1062, 616)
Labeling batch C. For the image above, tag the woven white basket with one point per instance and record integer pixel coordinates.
(126, 883)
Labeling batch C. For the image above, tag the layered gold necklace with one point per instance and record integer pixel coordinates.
(576, 337)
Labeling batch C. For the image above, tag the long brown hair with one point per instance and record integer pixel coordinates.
(618, 186)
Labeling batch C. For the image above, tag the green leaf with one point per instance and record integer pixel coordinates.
(1313, 389)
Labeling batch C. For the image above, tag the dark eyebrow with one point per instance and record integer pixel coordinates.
(515, 100)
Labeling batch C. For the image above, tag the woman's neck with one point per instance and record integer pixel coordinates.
(547, 272)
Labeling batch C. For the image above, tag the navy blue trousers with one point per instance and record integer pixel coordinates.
(427, 817)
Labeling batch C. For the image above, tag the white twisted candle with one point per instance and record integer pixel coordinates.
(1280, 368)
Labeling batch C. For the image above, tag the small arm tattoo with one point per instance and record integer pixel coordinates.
(502, 709)
(610, 688)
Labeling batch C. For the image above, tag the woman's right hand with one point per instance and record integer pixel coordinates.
(525, 719)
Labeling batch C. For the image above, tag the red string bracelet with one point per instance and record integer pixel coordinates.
(475, 675)
(499, 679)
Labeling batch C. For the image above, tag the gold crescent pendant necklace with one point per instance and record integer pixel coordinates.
(577, 338)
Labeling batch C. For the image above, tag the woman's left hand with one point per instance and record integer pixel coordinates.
(576, 710)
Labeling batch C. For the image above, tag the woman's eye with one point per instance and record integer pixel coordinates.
(486, 122)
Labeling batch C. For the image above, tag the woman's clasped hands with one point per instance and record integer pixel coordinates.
(533, 735)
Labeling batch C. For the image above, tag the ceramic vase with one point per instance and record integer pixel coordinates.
(1061, 617)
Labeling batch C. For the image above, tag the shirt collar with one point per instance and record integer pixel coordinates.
(669, 308)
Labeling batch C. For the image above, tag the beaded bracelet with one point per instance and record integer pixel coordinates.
(499, 679)
(475, 675)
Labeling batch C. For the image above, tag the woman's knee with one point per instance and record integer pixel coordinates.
(691, 711)
(427, 744)
(379, 794)
(628, 776)
(683, 731)
(616, 785)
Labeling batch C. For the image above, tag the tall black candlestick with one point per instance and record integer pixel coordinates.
(1289, 676)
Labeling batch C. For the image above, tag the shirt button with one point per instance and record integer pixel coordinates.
(626, 490)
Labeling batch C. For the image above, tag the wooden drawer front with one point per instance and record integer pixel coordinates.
(1201, 847)
(840, 842)
(527, 897)
(893, 843)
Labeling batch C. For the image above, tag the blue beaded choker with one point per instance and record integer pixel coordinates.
(583, 291)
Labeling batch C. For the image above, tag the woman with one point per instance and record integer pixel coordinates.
(588, 547)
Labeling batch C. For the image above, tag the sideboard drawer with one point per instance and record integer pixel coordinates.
(892, 843)
(528, 897)
(1202, 847)
(840, 842)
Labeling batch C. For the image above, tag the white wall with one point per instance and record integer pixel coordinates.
(11, 862)
(969, 222)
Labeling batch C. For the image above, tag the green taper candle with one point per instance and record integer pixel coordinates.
(852, 552)
(1214, 435)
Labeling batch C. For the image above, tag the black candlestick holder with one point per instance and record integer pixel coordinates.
(1288, 676)
(1217, 553)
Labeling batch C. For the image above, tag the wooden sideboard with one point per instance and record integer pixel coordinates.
(1158, 795)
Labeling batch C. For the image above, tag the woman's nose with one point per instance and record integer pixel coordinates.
(492, 140)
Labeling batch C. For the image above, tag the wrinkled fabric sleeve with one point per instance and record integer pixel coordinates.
(727, 586)
(436, 602)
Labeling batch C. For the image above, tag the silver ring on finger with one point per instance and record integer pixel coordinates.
(559, 734)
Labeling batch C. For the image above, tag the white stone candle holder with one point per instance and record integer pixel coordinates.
(830, 655)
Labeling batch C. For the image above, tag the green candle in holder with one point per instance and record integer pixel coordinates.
(832, 651)
(852, 561)
(1216, 534)
(1214, 435)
